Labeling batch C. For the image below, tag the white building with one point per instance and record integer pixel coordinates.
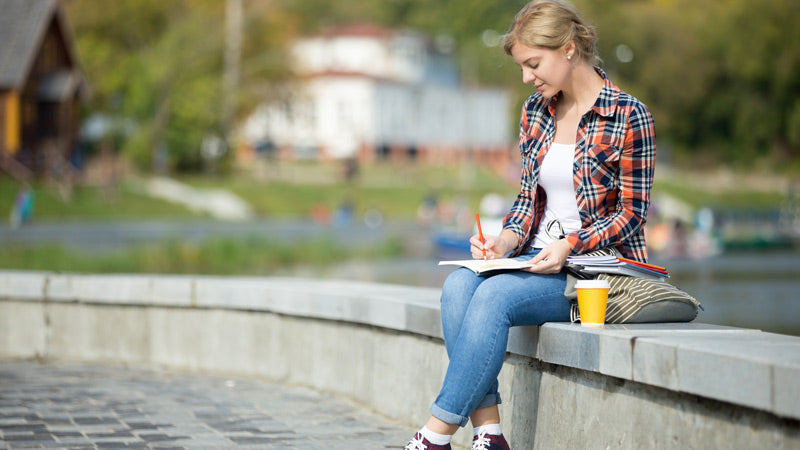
(370, 93)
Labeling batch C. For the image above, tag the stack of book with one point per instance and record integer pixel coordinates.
(592, 265)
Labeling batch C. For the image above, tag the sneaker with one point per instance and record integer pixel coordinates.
(420, 443)
(485, 441)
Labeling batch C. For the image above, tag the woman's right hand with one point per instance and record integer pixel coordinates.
(495, 246)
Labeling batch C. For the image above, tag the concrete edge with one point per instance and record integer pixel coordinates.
(740, 366)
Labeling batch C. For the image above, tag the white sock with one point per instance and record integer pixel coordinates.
(492, 428)
(435, 438)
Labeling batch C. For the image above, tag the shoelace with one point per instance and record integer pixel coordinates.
(482, 442)
(416, 443)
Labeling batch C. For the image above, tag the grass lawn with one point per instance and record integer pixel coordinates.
(90, 203)
(218, 256)
(295, 189)
(395, 191)
(732, 198)
(291, 191)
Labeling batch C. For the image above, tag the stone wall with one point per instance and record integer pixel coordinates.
(564, 386)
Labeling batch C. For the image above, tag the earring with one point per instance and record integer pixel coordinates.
(569, 57)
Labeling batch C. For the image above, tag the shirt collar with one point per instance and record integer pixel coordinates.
(606, 103)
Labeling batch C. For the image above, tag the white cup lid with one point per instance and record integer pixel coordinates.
(592, 284)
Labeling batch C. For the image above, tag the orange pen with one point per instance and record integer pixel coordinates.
(480, 233)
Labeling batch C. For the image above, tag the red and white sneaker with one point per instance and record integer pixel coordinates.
(420, 443)
(484, 441)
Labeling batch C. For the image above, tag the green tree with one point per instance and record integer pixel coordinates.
(722, 77)
(160, 64)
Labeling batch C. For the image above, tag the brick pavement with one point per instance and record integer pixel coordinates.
(79, 406)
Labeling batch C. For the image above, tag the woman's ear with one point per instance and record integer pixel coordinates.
(569, 49)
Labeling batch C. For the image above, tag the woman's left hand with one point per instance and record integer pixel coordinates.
(552, 258)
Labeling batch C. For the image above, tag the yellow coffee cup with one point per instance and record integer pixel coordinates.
(592, 300)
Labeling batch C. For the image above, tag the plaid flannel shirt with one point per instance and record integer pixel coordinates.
(613, 168)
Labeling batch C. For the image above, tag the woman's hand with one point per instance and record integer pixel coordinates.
(492, 247)
(552, 258)
(495, 246)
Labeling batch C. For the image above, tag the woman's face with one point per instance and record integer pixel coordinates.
(547, 70)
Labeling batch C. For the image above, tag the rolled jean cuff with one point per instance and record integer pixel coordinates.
(489, 400)
(448, 417)
(461, 421)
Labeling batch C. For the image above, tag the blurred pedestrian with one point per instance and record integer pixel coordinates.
(22, 210)
(588, 151)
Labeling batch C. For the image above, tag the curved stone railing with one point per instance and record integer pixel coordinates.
(564, 386)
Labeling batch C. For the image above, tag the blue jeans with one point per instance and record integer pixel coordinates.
(477, 313)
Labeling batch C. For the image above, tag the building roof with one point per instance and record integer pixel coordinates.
(23, 24)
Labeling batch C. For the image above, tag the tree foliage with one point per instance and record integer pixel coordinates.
(161, 63)
(722, 77)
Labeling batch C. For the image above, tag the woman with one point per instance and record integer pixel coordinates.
(588, 151)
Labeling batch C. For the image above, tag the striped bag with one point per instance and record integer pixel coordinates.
(637, 300)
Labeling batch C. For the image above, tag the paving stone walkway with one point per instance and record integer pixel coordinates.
(76, 406)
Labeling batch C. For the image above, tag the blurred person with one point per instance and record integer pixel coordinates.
(426, 211)
(588, 154)
(22, 210)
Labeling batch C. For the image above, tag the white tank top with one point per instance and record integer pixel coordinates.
(555, 177)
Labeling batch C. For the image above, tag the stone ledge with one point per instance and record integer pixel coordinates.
(740, 366)
(402, 308)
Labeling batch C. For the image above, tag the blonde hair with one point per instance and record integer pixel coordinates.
(552, 24)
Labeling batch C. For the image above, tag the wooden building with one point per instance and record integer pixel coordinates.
(41, 88)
